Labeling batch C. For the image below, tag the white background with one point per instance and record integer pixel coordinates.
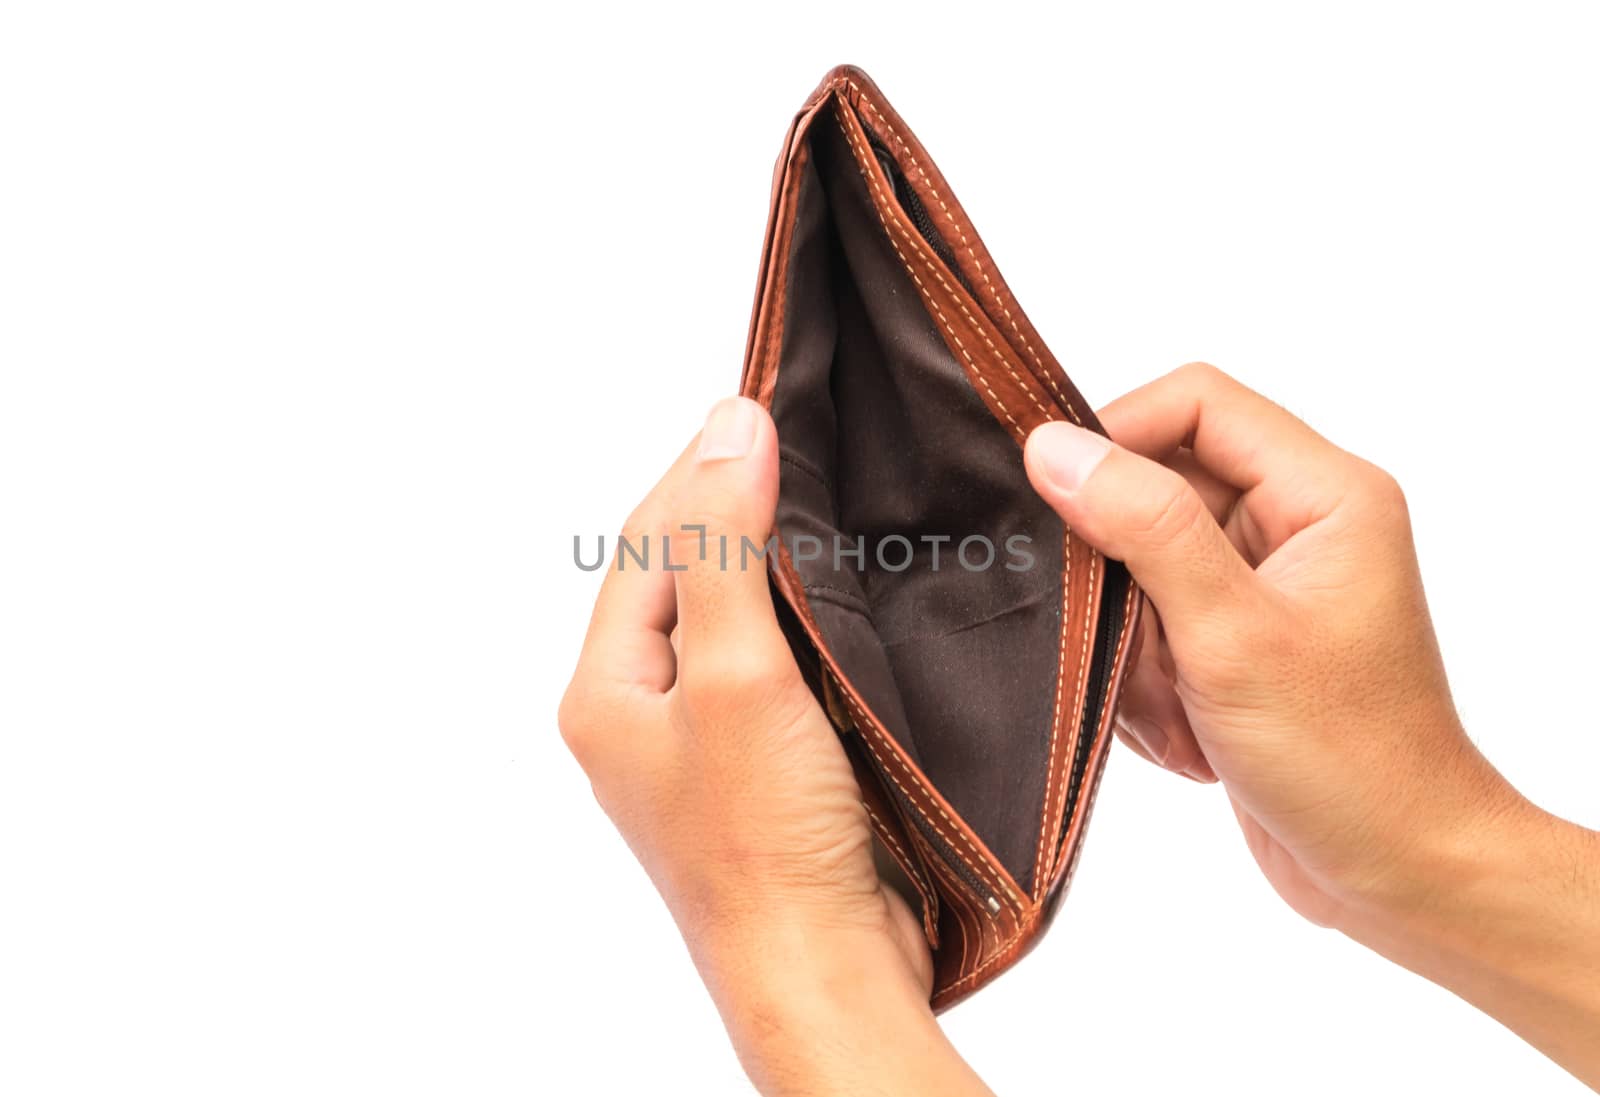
(324, 327)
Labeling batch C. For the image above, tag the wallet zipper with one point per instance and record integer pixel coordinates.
(915, 211)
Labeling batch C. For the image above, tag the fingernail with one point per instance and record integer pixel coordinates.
(1069, 454)
(1150, 737)
(729, 432)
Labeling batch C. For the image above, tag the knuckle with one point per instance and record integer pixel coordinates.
(741, 681)
(583, 718)
(1202, 374)
(573, 720)
(1169, 515)
(1379, 497)
(1385, 490)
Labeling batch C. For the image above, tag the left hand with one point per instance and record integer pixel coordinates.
(710, 754)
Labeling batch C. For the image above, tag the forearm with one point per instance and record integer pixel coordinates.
(1510, 921)
(810, 1017)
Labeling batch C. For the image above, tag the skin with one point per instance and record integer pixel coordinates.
(1289, 658)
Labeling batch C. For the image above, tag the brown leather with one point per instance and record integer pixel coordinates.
(975, 702)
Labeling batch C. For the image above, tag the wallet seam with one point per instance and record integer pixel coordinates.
(802, 467)
(891, 223)
(1001, 952)
(885, 216)
(982, 868)
(959, 912)
(1066, 867)
(856, 603)
(919, 795)
(1049, 813)
(925, 889)
(967, 246)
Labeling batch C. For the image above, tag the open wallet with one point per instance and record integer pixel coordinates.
(967, 646)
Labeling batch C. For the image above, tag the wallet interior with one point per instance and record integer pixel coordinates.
(890, 456)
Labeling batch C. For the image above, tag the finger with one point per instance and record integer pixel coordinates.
(1227, 504)
(1148, 516)
(1131, 742)
(724, 507)
(1218, 495)
(1234, 431)
(637, 606)
(1290, 476)
(1151, 715)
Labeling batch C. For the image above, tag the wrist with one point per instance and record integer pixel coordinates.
(1507, 916)
(1439, 844)
(813, 1011)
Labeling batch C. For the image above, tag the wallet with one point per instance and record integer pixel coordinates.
(967, 646)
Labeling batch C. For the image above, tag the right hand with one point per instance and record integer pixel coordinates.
(1290, 653)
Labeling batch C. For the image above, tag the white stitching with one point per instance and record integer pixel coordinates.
(981, 868)
(1086, 804)
(975, 327)
(1077, 695)
(924, 887)
(958, 909)
(1055, 720)
(881, 205)
(978, 263)
(871, 731)
(1000, 953)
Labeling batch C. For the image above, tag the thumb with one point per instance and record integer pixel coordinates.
(1146, 515)
(723, 514)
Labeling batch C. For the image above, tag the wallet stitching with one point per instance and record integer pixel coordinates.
(969, 921)
(964, 923)
(800, 466)
(1055, 720)
(944, 871)
(885, 215)
(886, 836)
(857, 602)
(1089, 617)
(1101, 718)
(981, 869)
(975, 949)
(924, 888)
(978, 263)
(972, 323)
(1086, 805)
(1002, 951)
(1046, 836)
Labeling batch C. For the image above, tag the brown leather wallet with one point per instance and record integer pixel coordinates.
(968, 647)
